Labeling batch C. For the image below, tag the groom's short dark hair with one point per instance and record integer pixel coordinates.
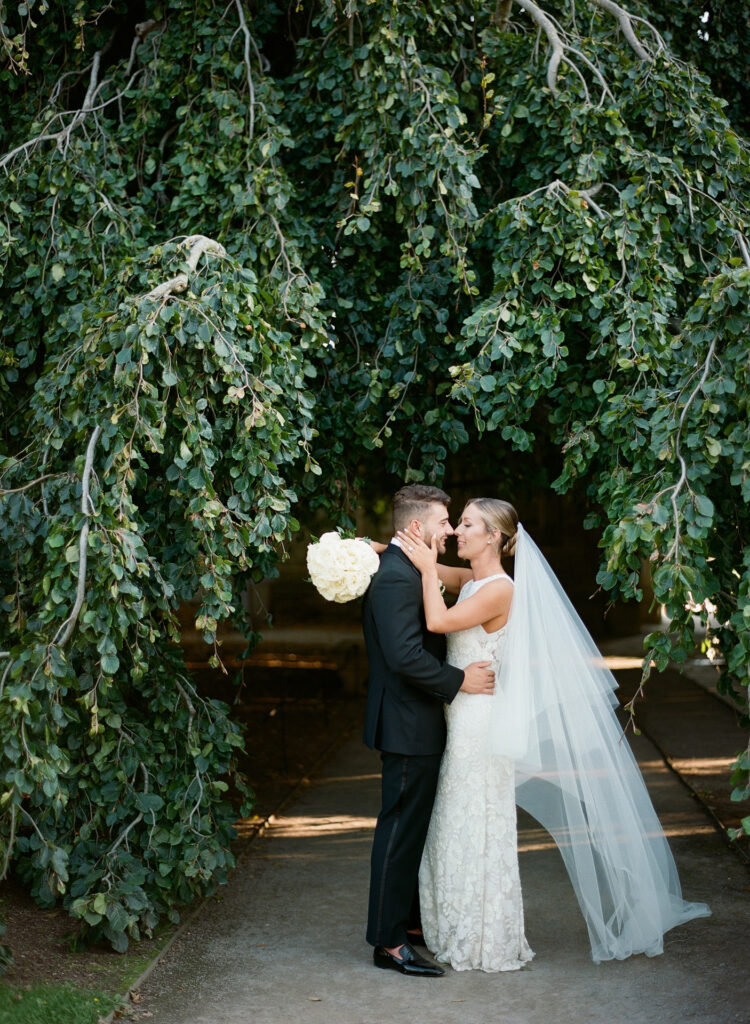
(412, 501)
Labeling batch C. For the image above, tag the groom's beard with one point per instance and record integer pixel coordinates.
(440, 543)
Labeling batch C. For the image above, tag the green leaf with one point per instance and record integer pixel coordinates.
(704, 505)
(148, 802)
(110, 664)
(117, 916)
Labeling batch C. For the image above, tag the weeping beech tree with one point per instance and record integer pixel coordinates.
(247, 246)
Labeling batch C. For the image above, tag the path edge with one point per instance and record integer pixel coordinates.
(301, 784)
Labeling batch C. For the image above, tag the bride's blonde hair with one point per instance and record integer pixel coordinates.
(498, 515)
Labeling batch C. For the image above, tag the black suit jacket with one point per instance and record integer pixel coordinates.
(409, 680)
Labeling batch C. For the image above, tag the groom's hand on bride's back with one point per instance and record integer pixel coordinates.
(478, 678)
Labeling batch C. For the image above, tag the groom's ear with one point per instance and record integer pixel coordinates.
(416, 527)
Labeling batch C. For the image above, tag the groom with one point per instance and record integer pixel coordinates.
(408, 687)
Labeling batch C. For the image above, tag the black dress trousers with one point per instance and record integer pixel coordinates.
(409, 686)
(409, 782)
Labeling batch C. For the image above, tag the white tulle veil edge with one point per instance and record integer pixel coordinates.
(553, 714)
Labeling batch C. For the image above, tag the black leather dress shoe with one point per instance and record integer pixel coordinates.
(407, 962)
(415, 939)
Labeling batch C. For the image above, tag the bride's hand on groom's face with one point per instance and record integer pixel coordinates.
(420, 554)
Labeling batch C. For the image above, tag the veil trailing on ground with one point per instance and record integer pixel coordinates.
(553, 714)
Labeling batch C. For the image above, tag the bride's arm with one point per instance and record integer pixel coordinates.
(452, 577)
(490, 603)
(376, 545)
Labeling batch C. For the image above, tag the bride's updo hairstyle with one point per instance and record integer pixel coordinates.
(498, 515)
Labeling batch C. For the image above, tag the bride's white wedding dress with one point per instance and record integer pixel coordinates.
(470, 890)
(549, 741)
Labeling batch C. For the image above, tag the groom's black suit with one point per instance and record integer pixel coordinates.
(409, 684)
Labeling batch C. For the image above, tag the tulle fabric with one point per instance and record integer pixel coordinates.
(553, 714)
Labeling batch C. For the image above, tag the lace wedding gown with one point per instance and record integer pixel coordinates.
(469, 885)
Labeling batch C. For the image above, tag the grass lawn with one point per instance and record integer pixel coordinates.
(61, 1004)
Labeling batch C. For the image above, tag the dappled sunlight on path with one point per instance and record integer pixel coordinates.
(284, 942)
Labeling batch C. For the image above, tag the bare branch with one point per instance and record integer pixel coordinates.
(8, 667)
(501, 15)
(87, 510)
(44, 496)
(626, 24)
(10, 843)
(198, 802)
(142, 29)
(578, 71)
(557, 187)
(138, 818)
(742, 243)
(33, 483)
(675, 548)
(248, 71)
(64, 134)
(188, 704)
(558, 49)
(34, 825)
(606, 91)
(62, 137)
(199, 244)
(594, 206)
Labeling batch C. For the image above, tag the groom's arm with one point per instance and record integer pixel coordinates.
(395, 611)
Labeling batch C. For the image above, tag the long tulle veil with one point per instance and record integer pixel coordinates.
(553, 713)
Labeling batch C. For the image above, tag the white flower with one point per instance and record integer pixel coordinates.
(341, 569)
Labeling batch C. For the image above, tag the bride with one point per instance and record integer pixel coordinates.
(547, 740)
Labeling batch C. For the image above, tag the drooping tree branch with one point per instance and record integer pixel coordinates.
(87, 510)
(547, 26)
(10, 843)
(142, 29)
(558, 186)
(561, 49)
(32, 483)
(199, 244)
(248, 69)
(675, 548)
(62, 137)
(625, 22)
(742, 243)
(138, 818)
(501, 14)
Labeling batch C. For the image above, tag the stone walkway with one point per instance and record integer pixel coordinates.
(284, 941)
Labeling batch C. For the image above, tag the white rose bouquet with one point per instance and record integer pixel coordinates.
(341, 569)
